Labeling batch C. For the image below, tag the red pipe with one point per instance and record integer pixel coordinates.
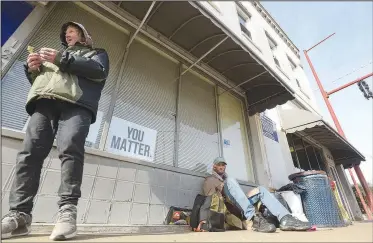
(364, 183)
(349, 84)
(339, 128)
(325, 96)
(367, 211)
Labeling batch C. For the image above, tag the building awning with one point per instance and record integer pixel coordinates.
(192, 28)
(297, 120)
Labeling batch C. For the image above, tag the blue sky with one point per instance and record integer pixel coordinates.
(307, 23)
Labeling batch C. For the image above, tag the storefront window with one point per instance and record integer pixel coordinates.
(234, 134)
(305, 155)
(198, 139)
(146, 98)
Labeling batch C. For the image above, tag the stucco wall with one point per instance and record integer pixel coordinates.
(278, 155)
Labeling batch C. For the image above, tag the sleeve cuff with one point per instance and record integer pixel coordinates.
(57, 60)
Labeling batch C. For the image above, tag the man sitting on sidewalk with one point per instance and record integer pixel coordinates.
(229, 188)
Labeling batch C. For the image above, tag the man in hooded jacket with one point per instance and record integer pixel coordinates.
(62, 104)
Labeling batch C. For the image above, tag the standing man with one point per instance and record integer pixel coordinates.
(62, 103)
(220, 182)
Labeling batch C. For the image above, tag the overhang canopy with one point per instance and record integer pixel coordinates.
(296, 120)
(195, 31)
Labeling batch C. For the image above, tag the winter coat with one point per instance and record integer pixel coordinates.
(77, 75)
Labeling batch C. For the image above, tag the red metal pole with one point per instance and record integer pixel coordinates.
(364, 183)
(349, 84)
(336, 122)
(321, 42)
(367, 211)
(325, 96)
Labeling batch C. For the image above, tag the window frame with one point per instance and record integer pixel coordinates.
(272, 43)
(292, 63)
(276, 61)
(298, 83)
(214, 5)
(301, 88)
(243, 17)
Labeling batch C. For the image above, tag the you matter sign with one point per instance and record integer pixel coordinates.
(132, 140)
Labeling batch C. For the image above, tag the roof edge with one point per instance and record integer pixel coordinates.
(261, 8)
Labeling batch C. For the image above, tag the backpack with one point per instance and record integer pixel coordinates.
(210, 209)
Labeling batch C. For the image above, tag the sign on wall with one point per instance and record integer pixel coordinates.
(227, 143)
(268, 127)
(129, 139)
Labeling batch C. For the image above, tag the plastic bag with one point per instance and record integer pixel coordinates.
(294, 202)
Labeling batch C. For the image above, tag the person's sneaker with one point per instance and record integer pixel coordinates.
(15, 224)
(260, 224)
(290, 223)
(65, 227)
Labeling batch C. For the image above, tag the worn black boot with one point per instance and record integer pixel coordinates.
(289, 223)
(260, 224)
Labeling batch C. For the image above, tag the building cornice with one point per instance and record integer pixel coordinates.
(270, 20)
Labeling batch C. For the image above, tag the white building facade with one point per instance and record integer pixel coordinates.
(196, 80)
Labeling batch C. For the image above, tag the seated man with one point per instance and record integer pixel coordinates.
(230, 190)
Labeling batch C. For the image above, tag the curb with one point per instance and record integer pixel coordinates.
(39, 228)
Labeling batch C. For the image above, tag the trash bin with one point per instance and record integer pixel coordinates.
(319, 203)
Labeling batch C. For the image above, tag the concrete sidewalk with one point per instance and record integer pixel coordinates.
(359, 232)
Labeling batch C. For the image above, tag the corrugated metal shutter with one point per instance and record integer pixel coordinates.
(147, 97)
(15, 84)
(13, 97)
(235, 144)
(198, 137)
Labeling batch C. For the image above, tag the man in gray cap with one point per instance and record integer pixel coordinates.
(235, 199)
(62, 102)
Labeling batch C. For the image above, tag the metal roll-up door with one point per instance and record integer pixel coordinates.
(147, 97)
(15, 85)
(198, 138)
(234, 133)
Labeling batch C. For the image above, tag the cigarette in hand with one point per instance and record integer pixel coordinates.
(30, 49)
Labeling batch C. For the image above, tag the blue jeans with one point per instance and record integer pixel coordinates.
(235, 194)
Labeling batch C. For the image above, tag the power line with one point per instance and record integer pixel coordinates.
(354, 70)
(347, 74)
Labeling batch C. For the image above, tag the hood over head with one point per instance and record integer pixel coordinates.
(88, 38)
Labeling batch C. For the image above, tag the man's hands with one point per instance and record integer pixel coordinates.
(33, 62)
(48, 54)
(198, 229)
(253, 192)
(34, 59)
